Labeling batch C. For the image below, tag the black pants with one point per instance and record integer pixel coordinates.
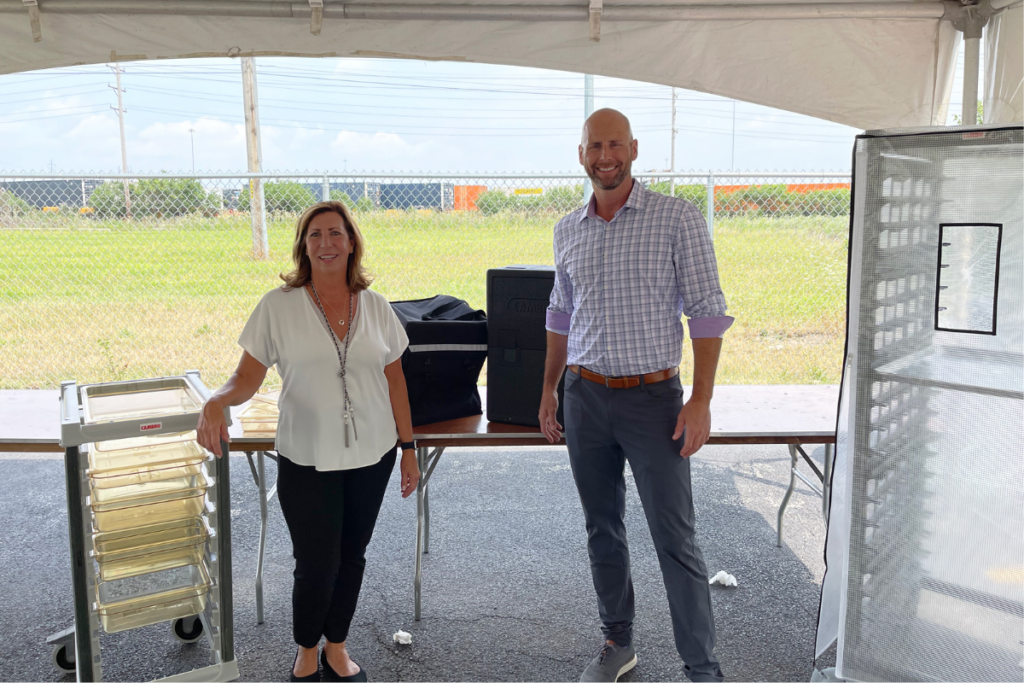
(330, 517)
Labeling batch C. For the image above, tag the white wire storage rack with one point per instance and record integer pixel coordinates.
(934, 481)
(150, 542)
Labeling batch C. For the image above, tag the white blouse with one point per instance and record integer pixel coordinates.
(287, 330)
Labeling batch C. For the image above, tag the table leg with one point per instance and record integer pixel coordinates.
(426, 516)
(252, 468)
(826, 482)
(421, 457)
(262, 483)
(789, 491)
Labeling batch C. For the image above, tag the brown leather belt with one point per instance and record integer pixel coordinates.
(625, 382)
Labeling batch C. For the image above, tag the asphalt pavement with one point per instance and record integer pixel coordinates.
(507, 594)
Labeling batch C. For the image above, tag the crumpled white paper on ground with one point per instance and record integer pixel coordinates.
(402, 638)
(723, 578)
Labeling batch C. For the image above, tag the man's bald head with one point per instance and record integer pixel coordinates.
(607, 149)
(604, 119)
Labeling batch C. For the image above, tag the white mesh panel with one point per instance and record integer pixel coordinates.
(935, 576)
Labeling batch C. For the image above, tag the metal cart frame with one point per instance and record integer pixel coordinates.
(216, 620)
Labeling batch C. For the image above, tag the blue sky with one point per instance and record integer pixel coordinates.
(379, 115)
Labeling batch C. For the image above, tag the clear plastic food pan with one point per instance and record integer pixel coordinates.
(126, 507)
(270, 397)
(259, 421)
(145, 463)
(138, 400)
(151, 548)
(261, 428)
(151, 598)
(259, 410)
(144, 441)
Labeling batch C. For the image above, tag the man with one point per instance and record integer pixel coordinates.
(626, 267)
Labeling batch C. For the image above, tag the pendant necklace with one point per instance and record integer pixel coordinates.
(341, 321)
(348, 412)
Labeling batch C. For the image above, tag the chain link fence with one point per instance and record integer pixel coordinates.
(110, 277)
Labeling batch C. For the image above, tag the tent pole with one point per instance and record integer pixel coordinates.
(970, 20)
(969, 106)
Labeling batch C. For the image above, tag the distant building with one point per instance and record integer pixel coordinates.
(430, 195)
(355, 190)
(229, 198)
(402, 196)
(40, 193)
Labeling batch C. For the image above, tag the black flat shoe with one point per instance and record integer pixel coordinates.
(315, 676)
(331, 675)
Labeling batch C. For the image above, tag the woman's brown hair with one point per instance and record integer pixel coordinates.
(358, 278)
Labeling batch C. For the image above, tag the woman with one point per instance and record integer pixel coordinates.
(344, 404)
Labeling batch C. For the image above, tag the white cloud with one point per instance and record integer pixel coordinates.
(96, 140)
(168, 146)
(385, 142)
(391, 151)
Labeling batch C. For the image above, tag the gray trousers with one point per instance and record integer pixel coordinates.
(604, 428)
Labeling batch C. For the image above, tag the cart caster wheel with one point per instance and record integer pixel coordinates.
(178, 629)
(63, 659)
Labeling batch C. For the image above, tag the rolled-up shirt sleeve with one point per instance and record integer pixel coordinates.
(560, 306)
(700, 294)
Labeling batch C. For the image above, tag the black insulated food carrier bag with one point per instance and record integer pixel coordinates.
(447, 349)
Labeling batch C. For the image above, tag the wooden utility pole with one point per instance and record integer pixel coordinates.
(672, 165)
(257, 204)
(588, 109)
(124, 148)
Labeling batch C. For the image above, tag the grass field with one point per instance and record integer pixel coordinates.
(102, 300)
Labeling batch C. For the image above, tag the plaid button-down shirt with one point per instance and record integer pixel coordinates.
(622, 286)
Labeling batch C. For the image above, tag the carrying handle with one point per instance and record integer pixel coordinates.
(441, 310)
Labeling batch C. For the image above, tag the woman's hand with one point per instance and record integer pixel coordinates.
(399, 396)
(213, 428)
(241, 385)
(410, 472)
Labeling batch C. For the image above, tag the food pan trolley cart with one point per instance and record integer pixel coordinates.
(195, 597)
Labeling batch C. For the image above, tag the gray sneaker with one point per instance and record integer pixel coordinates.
(610, 663)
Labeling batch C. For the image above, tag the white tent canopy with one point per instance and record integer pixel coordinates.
(866, 64)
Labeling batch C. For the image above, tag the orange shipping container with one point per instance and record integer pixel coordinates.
(465, 196)
(803, 188)
(799, 188)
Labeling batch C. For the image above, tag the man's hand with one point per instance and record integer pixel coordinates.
(547, 415)
(554, 366)
(695, 420)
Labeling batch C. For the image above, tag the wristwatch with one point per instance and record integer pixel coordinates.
(407, 445)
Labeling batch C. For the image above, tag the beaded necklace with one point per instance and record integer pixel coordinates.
(349, 411)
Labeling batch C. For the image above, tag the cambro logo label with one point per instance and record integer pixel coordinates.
(151, 426)
(527, 305)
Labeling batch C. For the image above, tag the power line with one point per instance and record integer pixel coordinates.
(462, 131)
(377, 112)
(93, 109)
(38, 96)
(423, 83)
